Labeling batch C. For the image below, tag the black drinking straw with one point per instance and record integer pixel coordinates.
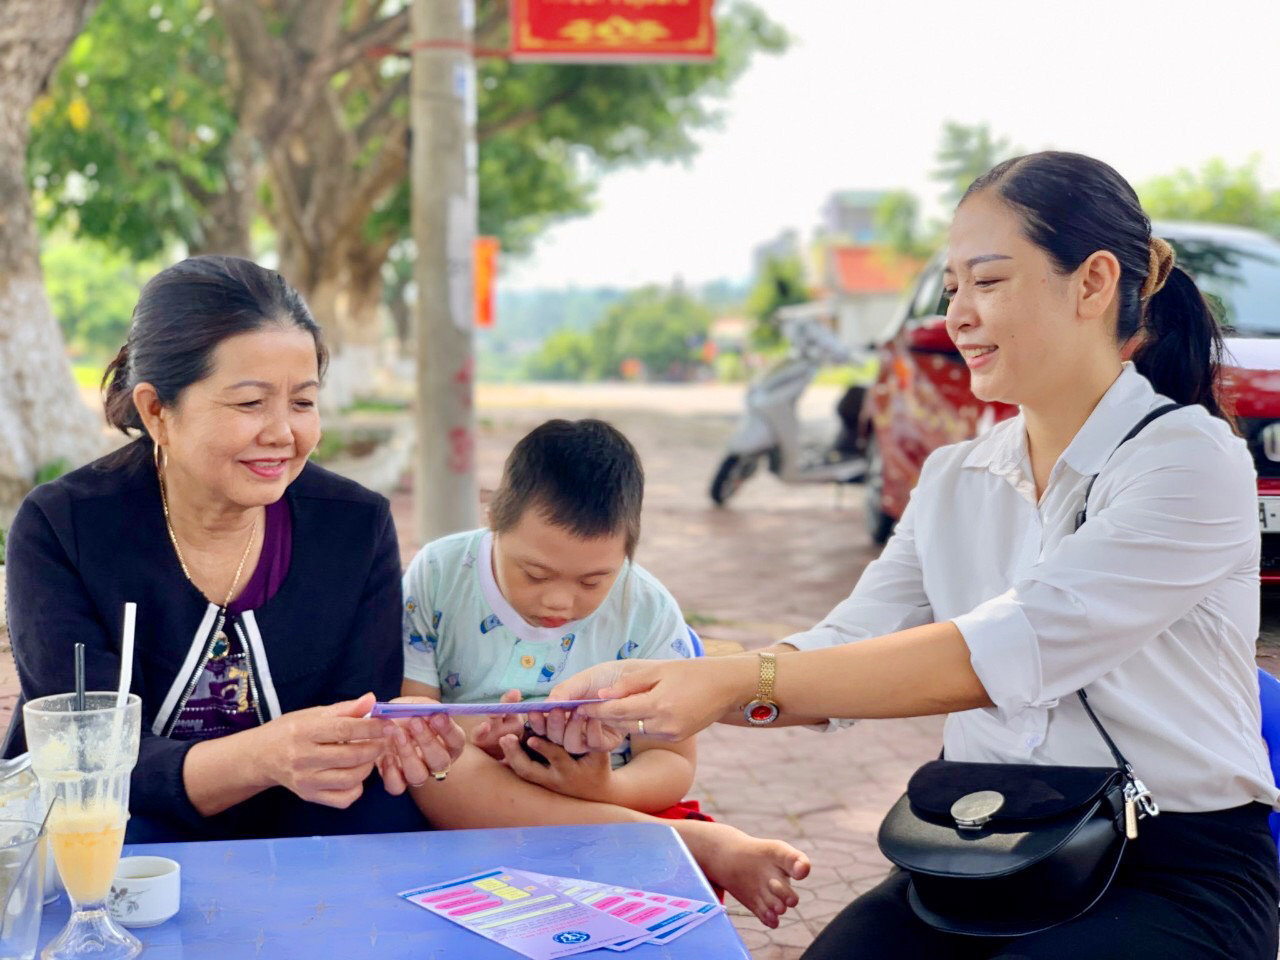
(79, 676)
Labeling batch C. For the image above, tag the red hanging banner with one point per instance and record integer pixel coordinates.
(602, 31)
(486, 272)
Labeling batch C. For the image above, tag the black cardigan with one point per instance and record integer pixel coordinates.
(83, 545)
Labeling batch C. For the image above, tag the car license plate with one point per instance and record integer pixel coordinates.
(1269, 514)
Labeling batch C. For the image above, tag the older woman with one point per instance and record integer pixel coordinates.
(267, 587)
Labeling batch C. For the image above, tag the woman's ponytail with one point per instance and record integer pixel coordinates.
(117, 394)
(1181, 347)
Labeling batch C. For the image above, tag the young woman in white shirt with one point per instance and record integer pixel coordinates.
(989, 607)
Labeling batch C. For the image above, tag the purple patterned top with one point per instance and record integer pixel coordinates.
(225, 698)
(273, 565)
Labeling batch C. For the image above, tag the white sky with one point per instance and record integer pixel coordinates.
(859, 100)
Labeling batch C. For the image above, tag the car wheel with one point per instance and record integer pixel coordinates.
(879, 524)
(734, 471)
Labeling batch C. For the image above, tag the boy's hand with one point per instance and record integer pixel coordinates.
(588, 778)
(487, 734)
(576, 731)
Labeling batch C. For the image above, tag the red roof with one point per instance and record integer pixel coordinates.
(872, 269)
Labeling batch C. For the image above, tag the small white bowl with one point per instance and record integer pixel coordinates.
(146, 891)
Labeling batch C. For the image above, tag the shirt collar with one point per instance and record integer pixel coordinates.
(502, 608)
(1004, 448)
(1001, 449)
(1112, 418)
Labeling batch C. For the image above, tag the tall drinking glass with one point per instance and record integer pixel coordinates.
(22, 856)
(83, 759)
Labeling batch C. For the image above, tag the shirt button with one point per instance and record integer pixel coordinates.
(527, 661)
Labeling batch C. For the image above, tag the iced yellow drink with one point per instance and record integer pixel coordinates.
(86, 846)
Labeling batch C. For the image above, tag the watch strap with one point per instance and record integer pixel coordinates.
(768, 675)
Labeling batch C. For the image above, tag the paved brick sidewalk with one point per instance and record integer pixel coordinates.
(824, 793)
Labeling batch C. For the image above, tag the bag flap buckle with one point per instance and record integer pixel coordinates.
(975, 810)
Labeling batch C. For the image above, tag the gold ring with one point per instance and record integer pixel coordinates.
(640, 724)
(440, 776)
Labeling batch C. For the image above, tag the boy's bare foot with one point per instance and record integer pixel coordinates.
(757, 872)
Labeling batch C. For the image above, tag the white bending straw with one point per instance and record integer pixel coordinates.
(126, 654)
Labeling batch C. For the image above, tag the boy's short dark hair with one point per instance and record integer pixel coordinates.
(582, 475)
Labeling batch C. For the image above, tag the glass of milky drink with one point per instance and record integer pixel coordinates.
(83, 759)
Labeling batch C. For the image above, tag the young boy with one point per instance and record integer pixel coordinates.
(548, 590)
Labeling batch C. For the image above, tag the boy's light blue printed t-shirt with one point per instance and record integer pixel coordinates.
(461, 635)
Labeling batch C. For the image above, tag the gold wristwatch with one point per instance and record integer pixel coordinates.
(763, 710)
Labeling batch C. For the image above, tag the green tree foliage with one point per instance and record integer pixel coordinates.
(133, 140)
(528, 319)
(1217, 193)
(780, 283)
(129, 145)
(966, 153)
(93, 289)
(661, 329)
(565, 355)
(898, 223)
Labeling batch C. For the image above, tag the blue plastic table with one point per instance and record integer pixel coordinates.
(323, 897)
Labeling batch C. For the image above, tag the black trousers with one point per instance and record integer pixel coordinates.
(1194, 886)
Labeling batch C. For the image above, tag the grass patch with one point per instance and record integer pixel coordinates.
(377, 405)
(846, 375)
(87, 374)
(330, 446)
(338, 445)
(695, 619)
(50, 471)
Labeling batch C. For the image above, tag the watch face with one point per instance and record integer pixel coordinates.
(760, 712)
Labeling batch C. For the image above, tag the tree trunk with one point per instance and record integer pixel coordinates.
(42, 419)
(328, 173)
(346, 300)
(361, 313)
(229, 215)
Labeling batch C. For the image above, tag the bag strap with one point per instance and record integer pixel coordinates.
(1138, 427)
(1080, 519)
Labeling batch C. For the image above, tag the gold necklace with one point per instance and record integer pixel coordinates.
(173, 538)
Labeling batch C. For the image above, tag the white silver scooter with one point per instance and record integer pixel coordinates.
(770, 430)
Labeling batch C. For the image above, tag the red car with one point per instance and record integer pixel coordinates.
(921, 397)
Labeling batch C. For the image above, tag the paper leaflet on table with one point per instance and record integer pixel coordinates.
(663, 916)
(382, 709)
(511, 908)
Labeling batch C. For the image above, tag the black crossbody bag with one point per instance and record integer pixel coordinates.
(1008, 849)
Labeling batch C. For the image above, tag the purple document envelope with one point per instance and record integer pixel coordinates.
(483, 709)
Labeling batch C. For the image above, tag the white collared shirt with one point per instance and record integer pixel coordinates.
(1153, 606)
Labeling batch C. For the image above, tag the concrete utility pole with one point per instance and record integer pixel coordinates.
(444, 228)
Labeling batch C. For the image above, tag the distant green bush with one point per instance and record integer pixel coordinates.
(730, 368)
(660, 331)
(51, 471)
(93, 290)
